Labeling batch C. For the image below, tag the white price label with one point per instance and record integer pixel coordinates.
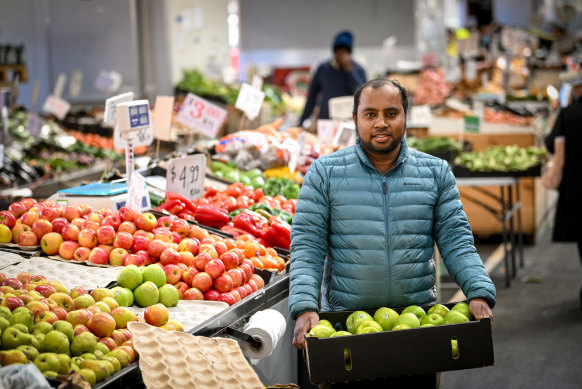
(34, 125)
(110, 116)
(56, 106)
(341, 108)
(136, 190)
(163, 117)
(326, 129)
(301, 140)
(420, 115)
(249, 100)
(345, 135)
(143, 137)
(185, 176)
(201, 115)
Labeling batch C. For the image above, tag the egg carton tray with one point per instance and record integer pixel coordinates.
(173, 359)
(70, 274)
(191, 313)
(9, 258)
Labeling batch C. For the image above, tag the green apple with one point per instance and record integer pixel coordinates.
(155, 274)
(169, 295)
(130, 277)
(42, 327)
(408, 318)
(89, 376)
(463, 307)
(123, 357)
(401, 326)
(55, 342)
(453, 317)
(326, 322)
(20, 309)
(65, 327)
(433, 318)
(76, 361)
(321, 331)
(38, 338)
(386, 317)
(50, 374)
(340, 333)
(4, 323)
(98, 367)
(20, 327)
(114, 362)
(23, 317)
(28, 350)
(368, 326)
(122, 297)
(98, 352)
(418, 311)
(355, 318)
(454, 348)
(91, 356)
(85, 342)
(438, 308)
(75, 368)
(5, 312)
(64, 364)
(427, 325)
(47, 361)
(108, 365)
(122, 316)
(12, 338)
(83, 301)
(103, 307)
(102, 348)
(10, 357)
(147, 294)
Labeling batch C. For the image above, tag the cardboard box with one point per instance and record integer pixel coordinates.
(396, 353)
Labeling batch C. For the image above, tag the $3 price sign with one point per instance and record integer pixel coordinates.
(201, 115)
(186, 175)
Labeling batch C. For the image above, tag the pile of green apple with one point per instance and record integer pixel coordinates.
(388, 319)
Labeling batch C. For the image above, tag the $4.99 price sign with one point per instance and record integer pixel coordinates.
(201, 115)
(185, 176)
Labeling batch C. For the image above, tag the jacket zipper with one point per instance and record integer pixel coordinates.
(385, 191)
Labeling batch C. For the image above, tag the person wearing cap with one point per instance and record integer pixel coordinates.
(565, 142)
(340, 76)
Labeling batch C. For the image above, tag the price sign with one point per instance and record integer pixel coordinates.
(326, 129)
(249, 100)
(34, 125)
(136, 190)
(472, 124)
(110, 116)
(341, 108)
(420, 115)
(345, 135)
(163, 117)
(186, 175)
(56, 106)
(201, 115)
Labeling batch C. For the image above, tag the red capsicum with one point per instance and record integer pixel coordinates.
(277, 233)
(174, 206)
(211, 216)
(188, 204)
(250, 222)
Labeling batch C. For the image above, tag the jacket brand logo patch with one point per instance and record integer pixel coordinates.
(412, 183)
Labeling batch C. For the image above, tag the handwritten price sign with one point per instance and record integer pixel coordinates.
(250, 100)
(56, 106)
(186, 175)
(201, 115)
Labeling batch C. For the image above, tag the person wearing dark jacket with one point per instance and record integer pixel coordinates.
(565, 142)
(340, 76)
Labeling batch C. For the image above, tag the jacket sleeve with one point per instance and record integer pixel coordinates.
(309, 242)
(314, 89)
(455, 242)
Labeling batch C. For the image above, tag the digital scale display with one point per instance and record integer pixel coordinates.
(138, 116)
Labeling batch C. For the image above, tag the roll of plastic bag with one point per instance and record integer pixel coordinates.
(268, 327)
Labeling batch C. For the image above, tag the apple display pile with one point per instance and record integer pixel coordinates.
(387, 319)
(63, 331)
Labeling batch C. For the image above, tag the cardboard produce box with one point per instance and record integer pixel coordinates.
(397, 353)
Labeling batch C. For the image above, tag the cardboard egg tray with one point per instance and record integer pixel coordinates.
(172, 359)
(190, 313)
(70, 274)
(7, 259)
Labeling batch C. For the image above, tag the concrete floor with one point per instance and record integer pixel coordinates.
(537, 332)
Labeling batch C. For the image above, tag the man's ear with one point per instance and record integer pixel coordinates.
(354, 117)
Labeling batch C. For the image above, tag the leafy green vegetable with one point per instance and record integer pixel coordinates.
(502, 158)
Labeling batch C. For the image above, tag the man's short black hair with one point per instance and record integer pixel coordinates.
(378, 83)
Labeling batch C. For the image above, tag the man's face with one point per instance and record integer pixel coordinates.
(380, 120)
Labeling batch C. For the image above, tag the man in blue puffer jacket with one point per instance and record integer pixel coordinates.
(370, 215)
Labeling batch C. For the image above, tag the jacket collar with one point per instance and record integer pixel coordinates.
(366, 161)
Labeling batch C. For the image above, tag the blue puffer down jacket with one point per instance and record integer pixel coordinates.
(376, 233)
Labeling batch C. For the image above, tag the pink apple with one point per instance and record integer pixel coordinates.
(237, 277)
(229, 259)
(187, 258)
(45, 290)
(105, 212)
(156, 315)
(58, 224)
(181, 287)
(146, 221)
(128, 214)
(215, 268)
(237, 297)
(41, 227)
(106, 234)
(156, 247)
(78, 291)
(227, 298)
(19, 229)
(60, 312)
(70, 232)
(201, 260)
(140, 242)
(37, 307)
(17, 208)
(13, 302)
(173, 273)
(117, 256)
(109, 342)
(27, 238)
(123, 240)
(193, 294)
(112, 220)
(48, 214)
(106, 247)
(85, 209)
(188, 274)
(169, 256)
(163, 234)
(50, 243)
(212, 295)
(241, 291)
(72, 211)
(47, 316)
(128, 227)
(223, 283)
(247, 270)
(202, 281)
(189, 244)
(146, 257)
(78, 222)
(164, 221)
(134, 259)
(180, 226)
(149, 235)
(176, 238)
(28, 218)
(67, 249)
(81, 254)
(220, 248)
(101, 324)
(95, 217)
(28, 202)
(23, 277)
(249, 264)
(258, 279)
(208, 248)
(87, 238)
(80, 328)
(90, 225)
(7, 218)
(251, 284)
(99, 256)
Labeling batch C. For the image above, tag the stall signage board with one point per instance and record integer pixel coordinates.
(201, 115)
(56, 106)
(163, 117)
(135, 190)
(249, 100)
(420, 116)
(472, 124)
(185, 176)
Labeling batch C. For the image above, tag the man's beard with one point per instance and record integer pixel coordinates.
(369, 146)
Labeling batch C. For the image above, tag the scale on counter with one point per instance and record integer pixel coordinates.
(112, 195)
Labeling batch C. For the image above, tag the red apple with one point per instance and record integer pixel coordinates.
(164, 221)
(189, 244)
(257, 278)
(80, 328)
(109, 342)
(169, 256)
(99, 256)
(176, 238)
(140, 242)
(193, 294)
(19, 229)
(58, 224)
(128, 227)
(51, 242)
(117, 256)
(223, 283)
(134, 259)
(41, 227)
(60, 312)
(186, 258)
(252, 285)
(123, 240)
(156, 247)
(28, 202)
(247, 270)
(90, 225)
(220, 248)
(27, 238)
(78, 291)
(229, 259)
(106, 234)
(45, 290)
(28, 218)
(201, 260)
(146, 257)
(95, 217)
(72, 211)
(105, 212)
(12, 302)
(236, 276)
(215, 268)
(181, 287)
(7, 218)
(14, 283)
(156, 315)
(78, 222)
(227, 298)
(241, 291)
(37, 307)
(163, 234)
(81, 254)
(49, 214)
(180, 226)
(208, 248)
(70, 232)
(149, 235)
(106, 247)
(17, 208)
(85, 209)
(47, 316)
(128, 214)
(67, 249)
(146, 221)
(101, 324)
(23, 277)
(87, 238)
(212, 295)
(118, 337)
(202, 281)
(188, 274)
(173, 273)
(112, 220)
